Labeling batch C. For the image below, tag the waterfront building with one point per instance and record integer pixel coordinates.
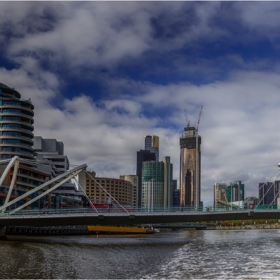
(16, 136)
(152, 145)
(220, 198)
(268, 192)
(99, 188)
(157, 184)
(17, 139)
(133, 179)
(16, 124)
(28, 178)
(142, 156)
(190, 167)
(51, 151)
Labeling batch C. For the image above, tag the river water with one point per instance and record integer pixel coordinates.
(206, 254)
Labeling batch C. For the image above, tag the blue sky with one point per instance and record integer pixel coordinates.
(102, 75)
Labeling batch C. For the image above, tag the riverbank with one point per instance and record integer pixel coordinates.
(259, 226)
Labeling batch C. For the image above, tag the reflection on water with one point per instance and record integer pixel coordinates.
(177, 255)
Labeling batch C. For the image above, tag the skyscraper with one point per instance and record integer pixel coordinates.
(190, 167)
(152, 144)
(16, 124)
(268, 193)
(235, 191)
(157, 184)
(142, 156)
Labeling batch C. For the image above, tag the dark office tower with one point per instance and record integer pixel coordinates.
(16, 124)
(142, 156)
(268, 193)
(190, 163)
(152, 144)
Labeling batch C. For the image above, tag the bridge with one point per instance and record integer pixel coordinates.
(87, 216)
(118, 214)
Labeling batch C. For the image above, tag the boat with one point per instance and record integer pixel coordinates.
(116, 229)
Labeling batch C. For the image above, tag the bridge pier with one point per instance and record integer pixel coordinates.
(3, 233)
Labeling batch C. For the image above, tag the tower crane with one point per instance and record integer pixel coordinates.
(199, 116)
(188, 122)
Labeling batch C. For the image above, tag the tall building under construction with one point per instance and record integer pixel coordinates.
(190, 167)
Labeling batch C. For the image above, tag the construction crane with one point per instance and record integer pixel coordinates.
(199, 116)
(188, 122)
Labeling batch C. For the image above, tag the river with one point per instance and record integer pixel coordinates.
(205, 254)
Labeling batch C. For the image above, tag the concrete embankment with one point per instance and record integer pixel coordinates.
(264, 226)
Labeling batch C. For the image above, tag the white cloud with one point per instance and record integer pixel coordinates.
(239, 125)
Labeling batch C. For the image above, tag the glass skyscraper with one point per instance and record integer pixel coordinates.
(152, 145)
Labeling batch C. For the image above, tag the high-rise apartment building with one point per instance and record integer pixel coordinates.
(190, 167)
(152, 145)
(16, 124)
(142, 156)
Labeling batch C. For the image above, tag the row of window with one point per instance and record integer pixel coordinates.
(16, 150)
(16, 111)
(14, 118)
(16, 126)
(15, 142)
(15, 134)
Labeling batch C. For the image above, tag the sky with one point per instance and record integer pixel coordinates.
(102, 75)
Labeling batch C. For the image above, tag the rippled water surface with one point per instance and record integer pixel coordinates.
(177, 255)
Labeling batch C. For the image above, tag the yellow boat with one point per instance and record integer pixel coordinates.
(114, 229)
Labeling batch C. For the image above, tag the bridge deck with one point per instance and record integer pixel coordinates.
(61, 219)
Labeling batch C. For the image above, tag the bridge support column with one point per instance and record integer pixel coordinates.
(3, 233)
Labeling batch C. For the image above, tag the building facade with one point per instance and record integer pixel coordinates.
(220, 198)
(152, 145)
(97, 189)
(157, 185)
(268, 192)
(16, 124)
(51, 151)
(190, 167)
(168, 183)
(133, 179)
(142, 156)
(235, 192)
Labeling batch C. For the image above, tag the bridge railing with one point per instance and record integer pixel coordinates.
(130, 210)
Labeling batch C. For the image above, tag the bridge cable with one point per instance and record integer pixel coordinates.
(90, 202)
(107, 192)
(268, 189)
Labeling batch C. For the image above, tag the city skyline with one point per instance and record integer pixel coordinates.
(102, 75)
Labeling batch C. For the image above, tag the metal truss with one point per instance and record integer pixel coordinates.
(15, 161)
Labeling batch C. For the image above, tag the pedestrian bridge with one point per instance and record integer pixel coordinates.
(89, 216)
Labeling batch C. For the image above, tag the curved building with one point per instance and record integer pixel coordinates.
(16, 124)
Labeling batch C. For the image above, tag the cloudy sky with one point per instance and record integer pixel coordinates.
(102, 75)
